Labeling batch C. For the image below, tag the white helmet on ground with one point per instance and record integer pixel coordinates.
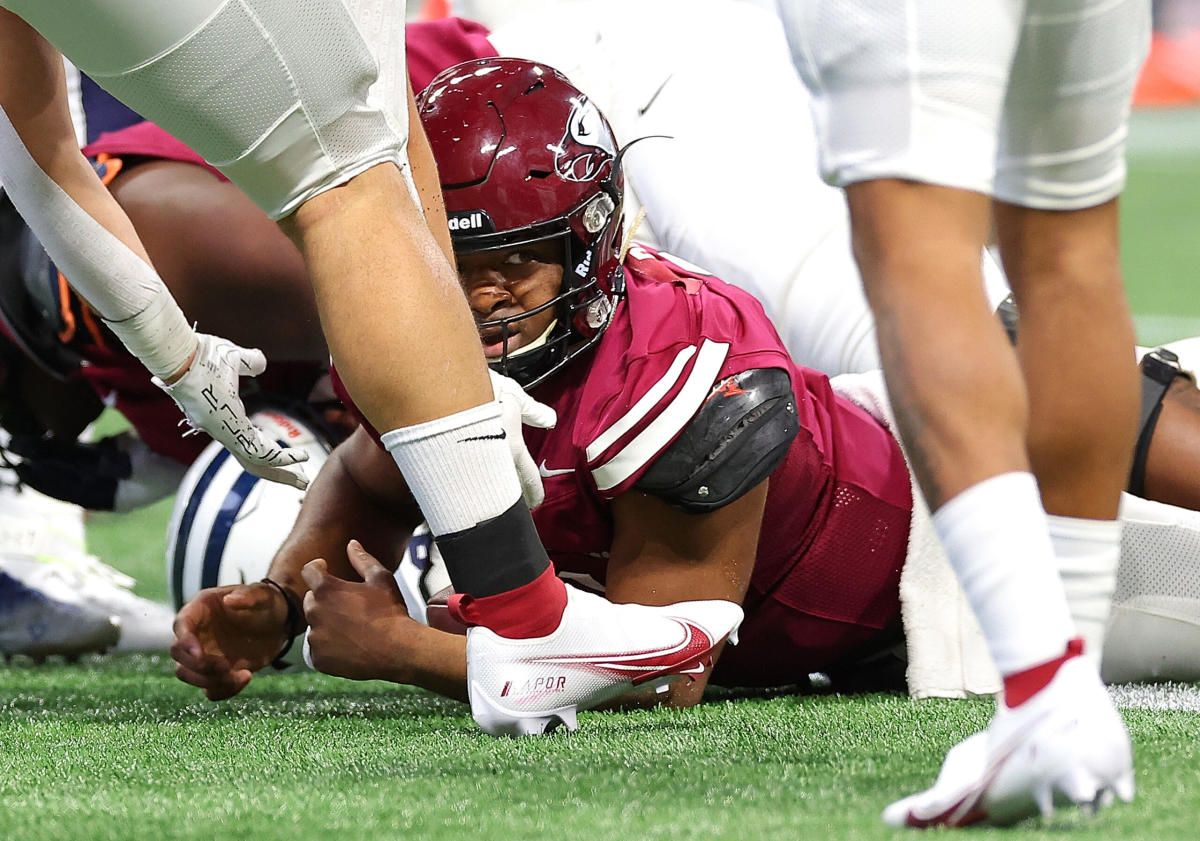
(227, 524)
(423, 578)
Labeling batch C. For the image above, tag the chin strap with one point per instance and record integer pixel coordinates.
(628, 240)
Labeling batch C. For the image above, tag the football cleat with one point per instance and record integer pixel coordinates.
(523, 687)
(78, 578)
(1065, 746)
(38, 625)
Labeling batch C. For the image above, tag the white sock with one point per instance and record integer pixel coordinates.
(458, 468)
(995, 536)
(1087, 552)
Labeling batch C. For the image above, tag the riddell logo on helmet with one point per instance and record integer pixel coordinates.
(471, 220)
(585, 265)
(285, 424)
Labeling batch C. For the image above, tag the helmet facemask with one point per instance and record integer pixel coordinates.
(582, 308)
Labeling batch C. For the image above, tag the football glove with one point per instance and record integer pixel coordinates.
(207, 394)
(516, 409)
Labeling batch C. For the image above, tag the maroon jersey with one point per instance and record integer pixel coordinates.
(827, 570)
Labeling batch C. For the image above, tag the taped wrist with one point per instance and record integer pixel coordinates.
(1159, 369)
(159, 336)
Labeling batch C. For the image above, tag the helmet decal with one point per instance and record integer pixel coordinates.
(585, 148)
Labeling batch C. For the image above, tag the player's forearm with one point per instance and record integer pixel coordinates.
(336, 509)
(431, 659)
(80, 225)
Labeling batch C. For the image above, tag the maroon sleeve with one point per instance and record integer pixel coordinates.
(145, 139)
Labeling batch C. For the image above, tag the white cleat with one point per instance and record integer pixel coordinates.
(39, 625)
(1065, 746)
(525, 687)
(83, 579)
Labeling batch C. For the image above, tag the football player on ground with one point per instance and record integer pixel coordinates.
(319, 138)
(676, 402)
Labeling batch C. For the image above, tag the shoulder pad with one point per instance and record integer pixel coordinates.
(736, 440)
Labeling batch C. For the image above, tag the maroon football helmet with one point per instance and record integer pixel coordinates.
(524, 156)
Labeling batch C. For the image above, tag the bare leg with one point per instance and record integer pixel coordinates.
(1076, 348)
(960, 406)
(1076, 345)
(403, 340)
(953, 380)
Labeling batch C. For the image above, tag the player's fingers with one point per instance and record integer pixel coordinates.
(196, 659)
(191, 618)
(229, 688)
(532, 489)
(366, 564)
(192, 677)
(249, 597)
(216, 687)
(251, 362)
(315, 573)
(277, 456)
(186, 647)
(312, 613)
(536, 414)
(289, 475)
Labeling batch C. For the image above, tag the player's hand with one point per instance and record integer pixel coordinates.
(517, 409)
(353, 626)
(118, 473)
(207, 394)
(225, 634)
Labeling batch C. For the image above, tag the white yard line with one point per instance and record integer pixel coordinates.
(1157, 696)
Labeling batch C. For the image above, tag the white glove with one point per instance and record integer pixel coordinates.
(518, 408)
(207, 394)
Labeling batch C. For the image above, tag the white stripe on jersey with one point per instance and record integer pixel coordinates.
(642, 408)
(670, 420)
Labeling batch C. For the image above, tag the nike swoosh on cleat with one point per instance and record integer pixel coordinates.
(546, 472)
(640, 666)
(969, 809)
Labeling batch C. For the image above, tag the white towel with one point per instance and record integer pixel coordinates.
(947, 654)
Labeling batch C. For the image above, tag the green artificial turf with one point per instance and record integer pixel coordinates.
(116, 748)
(1160, 224)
